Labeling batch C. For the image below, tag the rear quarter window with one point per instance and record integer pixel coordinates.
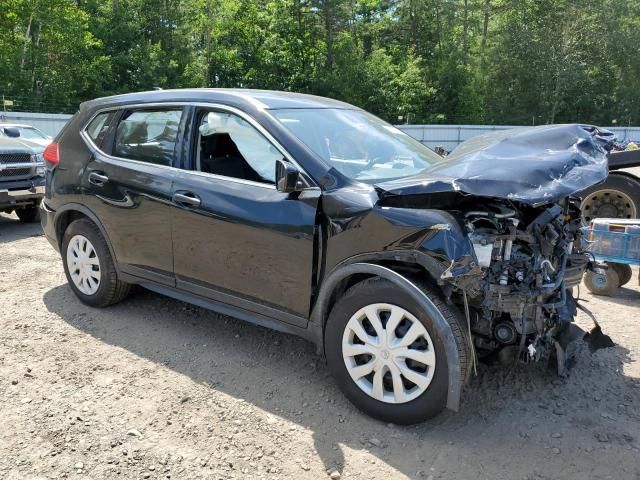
(98, 127)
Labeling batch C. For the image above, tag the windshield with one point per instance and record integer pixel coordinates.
(32, 134)
(358, 144)
(28, 133)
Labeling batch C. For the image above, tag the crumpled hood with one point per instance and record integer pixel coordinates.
(532, 165)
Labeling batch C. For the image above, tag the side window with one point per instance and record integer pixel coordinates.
(98, 127)
(148, 136)
(228, 145)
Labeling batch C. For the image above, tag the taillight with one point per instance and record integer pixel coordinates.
(51, 155)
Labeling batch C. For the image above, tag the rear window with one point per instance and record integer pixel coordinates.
(148, 136)
(98, 127)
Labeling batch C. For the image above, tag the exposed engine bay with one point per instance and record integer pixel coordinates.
(519, 301)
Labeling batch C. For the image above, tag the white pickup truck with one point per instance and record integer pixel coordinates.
(21, 177)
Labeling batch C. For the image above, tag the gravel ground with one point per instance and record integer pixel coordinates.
(156, 388)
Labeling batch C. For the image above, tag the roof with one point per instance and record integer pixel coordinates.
(260, 99)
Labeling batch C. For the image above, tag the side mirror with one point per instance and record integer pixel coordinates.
(12, 132)
(287, 177)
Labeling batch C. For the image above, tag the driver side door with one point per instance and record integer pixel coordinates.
(236, 238)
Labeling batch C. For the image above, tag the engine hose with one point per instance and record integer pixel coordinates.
(559, 276)
(473, 348)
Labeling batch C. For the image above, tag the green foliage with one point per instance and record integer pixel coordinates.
(425, 61)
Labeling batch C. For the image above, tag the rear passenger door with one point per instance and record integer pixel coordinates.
(129, 185)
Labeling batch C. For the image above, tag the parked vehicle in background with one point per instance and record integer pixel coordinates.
(615, 243)
(21, 178)
(619, 195)
(25, 132)
(313, 217)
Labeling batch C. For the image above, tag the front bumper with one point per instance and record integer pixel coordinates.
(20, 194)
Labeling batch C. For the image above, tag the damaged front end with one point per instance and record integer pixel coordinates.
(514, 197)
(519, 300)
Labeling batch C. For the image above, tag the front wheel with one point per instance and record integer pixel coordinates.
(386, 354)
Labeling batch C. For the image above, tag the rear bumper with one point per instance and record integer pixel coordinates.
(47, 216)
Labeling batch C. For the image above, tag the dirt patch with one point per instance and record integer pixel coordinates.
(156, 388)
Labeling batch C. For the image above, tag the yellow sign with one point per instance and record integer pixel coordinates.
(8, 103)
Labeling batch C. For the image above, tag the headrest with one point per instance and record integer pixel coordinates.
(217, 122)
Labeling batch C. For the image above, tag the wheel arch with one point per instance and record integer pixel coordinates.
(345, 276)
(73, 211)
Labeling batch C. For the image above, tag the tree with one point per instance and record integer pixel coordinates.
(453, 61)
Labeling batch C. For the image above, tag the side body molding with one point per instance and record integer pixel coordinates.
(444, 329)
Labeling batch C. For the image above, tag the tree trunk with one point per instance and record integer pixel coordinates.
(465, 32)
(36, 85)
(485, 31)
(27, 37)
(328, 26)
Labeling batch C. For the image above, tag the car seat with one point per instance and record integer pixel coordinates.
(220, 155)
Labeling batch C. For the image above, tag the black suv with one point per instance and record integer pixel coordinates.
(313, 217)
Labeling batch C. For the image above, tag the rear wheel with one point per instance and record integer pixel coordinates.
(29, 214)
(387, 355)
(89, 267)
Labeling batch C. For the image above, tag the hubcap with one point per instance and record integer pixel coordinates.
(83, 264)
(608, 204)
(388, 353)
(600, 280)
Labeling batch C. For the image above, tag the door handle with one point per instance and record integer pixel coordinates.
(186, 199)
(98, 179)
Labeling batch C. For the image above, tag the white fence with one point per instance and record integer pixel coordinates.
(449, 136)
(49, 123)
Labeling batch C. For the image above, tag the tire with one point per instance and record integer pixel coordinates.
(415, 402)
(617, 197)
(602, 283)
(105, 291)
(29, 214)
(624, 272)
